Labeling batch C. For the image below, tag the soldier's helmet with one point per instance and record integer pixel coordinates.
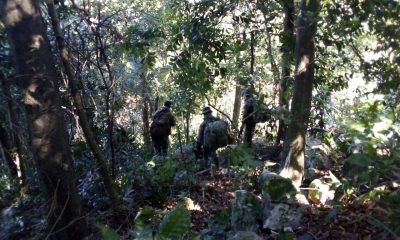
(206, 110)
(168, 104)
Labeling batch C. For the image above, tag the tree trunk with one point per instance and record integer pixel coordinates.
(238, 91)
(287, 58)
(294, 146)
(252, 56)
(79, 107)
(236, 106)
(37, 74)
(187, 119)
(14, 126)
(145, 110)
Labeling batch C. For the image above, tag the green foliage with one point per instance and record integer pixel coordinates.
(108, 233)
(287, 236)
(174, 225)
(369, 169)
(218, 225)
(146, 221)
(372, 139)
(279, 189)
(8, 187)
(241, 157)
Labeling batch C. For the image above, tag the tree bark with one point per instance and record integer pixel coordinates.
(145, 110)
(14, 126)
(236, 106)
(238, 93)
(294, 147)
(252, 56)
(38, 78)
(187, 120)
(79, 107)
(287, 58)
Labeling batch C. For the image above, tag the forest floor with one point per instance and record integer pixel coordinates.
(346, 220)
(350, 221)
(214, 193)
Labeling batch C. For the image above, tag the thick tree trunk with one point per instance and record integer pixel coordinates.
(287, 58)
(38, 78)
(14, 129)
(79, 107)
(294, 146)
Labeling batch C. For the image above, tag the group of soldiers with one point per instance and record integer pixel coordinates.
(164, 120)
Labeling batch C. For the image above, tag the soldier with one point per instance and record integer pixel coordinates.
(201, 149)
(160, 128)
(248, 120)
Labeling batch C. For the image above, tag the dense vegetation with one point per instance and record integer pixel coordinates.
(81, 79)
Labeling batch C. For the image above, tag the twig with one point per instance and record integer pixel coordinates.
(202, 171)
(213, 106)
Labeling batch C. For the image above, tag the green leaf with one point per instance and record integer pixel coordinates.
(143, 223)
(108, 233)
(175, 224)
(287, 236)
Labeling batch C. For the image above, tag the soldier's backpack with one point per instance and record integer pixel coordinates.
(217, 134)
(161, 118)
(262, 114)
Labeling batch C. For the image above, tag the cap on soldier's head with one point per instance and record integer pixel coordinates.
(206, 110)
(168, 103)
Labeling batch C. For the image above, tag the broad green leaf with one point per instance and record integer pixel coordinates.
(175, 224)
(143, 223)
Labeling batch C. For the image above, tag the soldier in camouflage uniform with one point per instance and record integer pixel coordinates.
(200, 149)
(248, 120)
(160, 128)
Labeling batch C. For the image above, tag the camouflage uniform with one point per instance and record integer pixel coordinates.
(160, 128)
(248, 120)
(207, 152)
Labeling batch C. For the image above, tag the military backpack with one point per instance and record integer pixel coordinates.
(217, 134)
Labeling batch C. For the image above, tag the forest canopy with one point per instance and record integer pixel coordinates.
(306, 94)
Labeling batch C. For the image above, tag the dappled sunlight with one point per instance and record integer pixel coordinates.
(323, 159)
(41, 123)
(30, 100)
(37, 41)
(303, 65)
(15, 9)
